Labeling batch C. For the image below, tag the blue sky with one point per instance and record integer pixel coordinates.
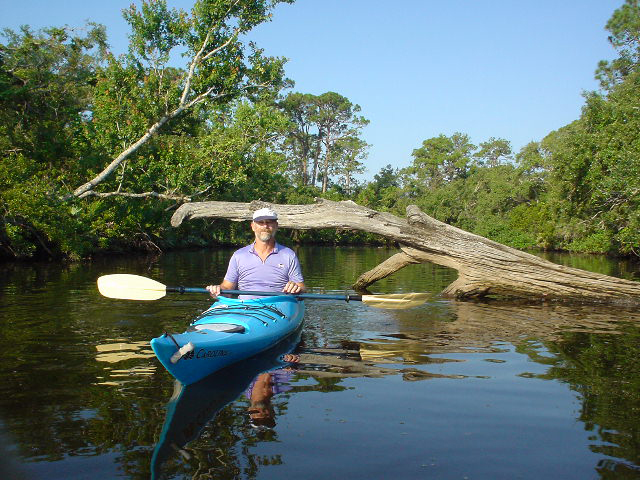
(514, 69)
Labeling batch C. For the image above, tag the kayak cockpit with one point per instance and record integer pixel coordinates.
(217, 327)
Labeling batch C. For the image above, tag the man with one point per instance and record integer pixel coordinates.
(265, 265)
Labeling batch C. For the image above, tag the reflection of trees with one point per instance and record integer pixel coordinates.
(605, 371)
(452, 327)
(595, 350)
(51, 405)
(490, 322)
(455, 327)
(327, 366)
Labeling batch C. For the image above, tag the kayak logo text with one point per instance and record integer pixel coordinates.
(202, 353)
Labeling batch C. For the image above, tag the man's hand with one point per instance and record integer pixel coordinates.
(293, 287)
(214, 290)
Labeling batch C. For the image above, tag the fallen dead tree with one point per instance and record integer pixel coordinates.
(484, 267)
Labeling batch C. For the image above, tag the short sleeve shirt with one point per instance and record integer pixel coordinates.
(249, 272)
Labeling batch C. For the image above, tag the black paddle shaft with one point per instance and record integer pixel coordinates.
(318, 296)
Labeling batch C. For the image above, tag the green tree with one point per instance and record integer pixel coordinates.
(335, 117)
(594, 173)
(221, 67)
(383, 192)
(494, 152)
(240, 157)
(440, 160)
(624, 26)
(69, 109)
(46, 80)
(348, 152)
(301, 141)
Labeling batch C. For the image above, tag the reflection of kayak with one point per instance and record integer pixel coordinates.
(230, 331)
(192, 407)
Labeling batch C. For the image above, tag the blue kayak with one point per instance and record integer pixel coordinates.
(192, 407)
(229, 331)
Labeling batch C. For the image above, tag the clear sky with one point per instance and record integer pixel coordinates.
(514, 69)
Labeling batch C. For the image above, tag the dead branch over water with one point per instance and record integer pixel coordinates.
(485, 267)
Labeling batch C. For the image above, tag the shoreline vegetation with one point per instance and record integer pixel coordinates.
(98, 151)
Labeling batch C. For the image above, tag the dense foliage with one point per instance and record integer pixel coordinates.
(98, 150)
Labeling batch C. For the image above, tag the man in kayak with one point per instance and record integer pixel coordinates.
(265, 265)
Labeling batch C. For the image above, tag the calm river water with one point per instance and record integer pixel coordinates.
(448, 390)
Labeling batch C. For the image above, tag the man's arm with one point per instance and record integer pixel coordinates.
(214, 290)
(296, 281)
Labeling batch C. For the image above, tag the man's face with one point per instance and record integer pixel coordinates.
(265, 230)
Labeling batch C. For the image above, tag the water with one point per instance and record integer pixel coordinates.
(448, 390)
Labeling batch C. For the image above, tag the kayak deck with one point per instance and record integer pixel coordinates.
(229, 331)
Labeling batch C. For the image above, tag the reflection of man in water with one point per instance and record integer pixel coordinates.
(263, 388)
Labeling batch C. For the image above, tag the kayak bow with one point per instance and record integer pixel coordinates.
(230, 331)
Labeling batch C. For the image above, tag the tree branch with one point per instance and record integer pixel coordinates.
(161, 196)
(485, 267)
(124, 155)
(81, 191)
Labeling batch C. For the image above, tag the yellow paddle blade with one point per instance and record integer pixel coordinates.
(130, 287)
(396, 300)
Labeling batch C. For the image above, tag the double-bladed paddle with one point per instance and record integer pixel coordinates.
(135, 287)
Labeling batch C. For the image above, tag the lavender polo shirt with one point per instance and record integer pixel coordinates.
(249, 272)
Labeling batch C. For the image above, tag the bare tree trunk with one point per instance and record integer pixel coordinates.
(304, 173)
(325, 169)
(324, 177)
(316, 157)
(485, 267)
(314, 172)
(347, 182)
